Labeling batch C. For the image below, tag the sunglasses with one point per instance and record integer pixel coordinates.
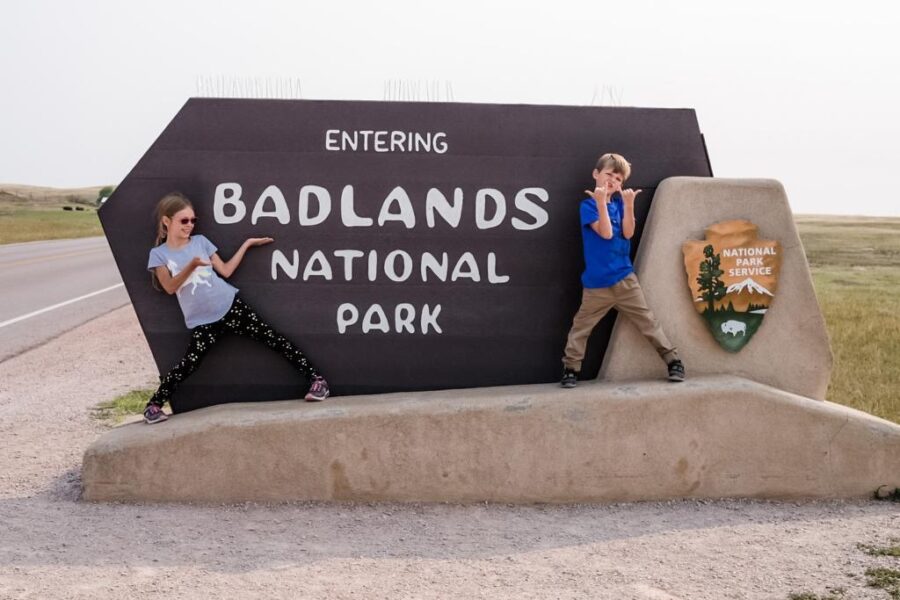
(186, 220)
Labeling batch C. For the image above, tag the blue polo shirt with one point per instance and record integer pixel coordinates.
(607, 262)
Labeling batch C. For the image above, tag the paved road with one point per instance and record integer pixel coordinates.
(46, 288)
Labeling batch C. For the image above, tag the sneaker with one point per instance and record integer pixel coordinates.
(318, 390)
(569, 379)
(676, 370)
(154, 414)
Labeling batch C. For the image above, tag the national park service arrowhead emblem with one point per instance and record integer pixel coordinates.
(732, 275)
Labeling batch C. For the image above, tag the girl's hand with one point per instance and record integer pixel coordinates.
(197, 262)
(600, 195)
(629, 195)
(258, 241)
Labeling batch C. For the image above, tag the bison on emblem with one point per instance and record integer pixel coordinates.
(734, 327)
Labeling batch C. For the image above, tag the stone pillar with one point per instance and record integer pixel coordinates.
(789, 352)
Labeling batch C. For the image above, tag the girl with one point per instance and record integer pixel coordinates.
(187, 265)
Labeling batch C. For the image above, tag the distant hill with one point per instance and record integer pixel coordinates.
(46, 197)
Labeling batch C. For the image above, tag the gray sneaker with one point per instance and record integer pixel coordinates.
(569, 379)
(676, 370)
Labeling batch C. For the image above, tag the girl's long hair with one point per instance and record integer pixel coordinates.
(168, 206)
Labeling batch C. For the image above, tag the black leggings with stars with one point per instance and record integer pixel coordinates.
(242, 320)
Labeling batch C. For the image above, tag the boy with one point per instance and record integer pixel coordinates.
(607, 224)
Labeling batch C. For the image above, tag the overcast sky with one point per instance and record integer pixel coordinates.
(803, 92)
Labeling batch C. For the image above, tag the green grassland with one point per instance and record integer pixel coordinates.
(126, 406)
(30, 213)
(855, 263)
(26, 225)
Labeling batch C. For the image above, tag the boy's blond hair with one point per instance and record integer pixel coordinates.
(616, 162)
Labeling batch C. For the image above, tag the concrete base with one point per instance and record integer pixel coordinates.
(710, 437)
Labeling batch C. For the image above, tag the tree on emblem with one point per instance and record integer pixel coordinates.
(711, 287)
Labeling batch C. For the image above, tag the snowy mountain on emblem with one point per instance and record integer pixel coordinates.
(749, 286)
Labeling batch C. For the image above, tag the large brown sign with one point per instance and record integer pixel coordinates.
(417, 245)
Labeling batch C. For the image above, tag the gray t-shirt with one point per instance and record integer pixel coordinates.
(204, 297)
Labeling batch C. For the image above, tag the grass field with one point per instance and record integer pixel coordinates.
(26, 225)
(30, 213)
(131, 403)
(856, 269)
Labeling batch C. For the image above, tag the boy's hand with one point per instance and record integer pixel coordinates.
(600, 195)
(629, 195)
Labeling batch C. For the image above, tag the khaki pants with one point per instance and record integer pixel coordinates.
(626, 297)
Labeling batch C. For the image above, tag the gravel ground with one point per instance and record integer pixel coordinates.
(53, 545)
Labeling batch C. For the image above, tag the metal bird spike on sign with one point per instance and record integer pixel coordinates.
(732, 276)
